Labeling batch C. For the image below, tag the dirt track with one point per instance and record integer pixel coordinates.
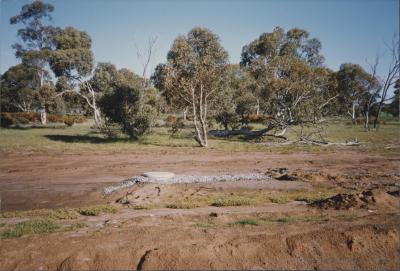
(292, 235)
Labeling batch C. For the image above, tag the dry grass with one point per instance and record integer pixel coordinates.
(62, 213)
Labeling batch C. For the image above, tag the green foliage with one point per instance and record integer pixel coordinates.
(127, 104)
(19, 88)
(232, 201)
(30, 227)
(289, 77)
(244, 222)
(72, 53)
(354, 87)
(194, 76)
(96, 210)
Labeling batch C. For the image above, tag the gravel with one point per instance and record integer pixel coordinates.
(186, 179)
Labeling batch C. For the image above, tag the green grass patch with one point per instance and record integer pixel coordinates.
(233, 201)
(244, 222)
(309, 196)
(96, 210)
(62, 213)
(183, 205)
(30, 227)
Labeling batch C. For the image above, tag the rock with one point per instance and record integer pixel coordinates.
(159, 175)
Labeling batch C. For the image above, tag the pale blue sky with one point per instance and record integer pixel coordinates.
(350, 30)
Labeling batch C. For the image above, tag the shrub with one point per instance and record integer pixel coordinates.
(255, 118)
(69, 120)
(29, 116)
(170, 120)
(79, 119)
(22, 120)
(54, 118)
(176, 126)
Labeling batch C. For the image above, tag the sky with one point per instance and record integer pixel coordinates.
(350, 30)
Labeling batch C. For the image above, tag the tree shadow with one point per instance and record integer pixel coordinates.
(85, 139)
(32, 127)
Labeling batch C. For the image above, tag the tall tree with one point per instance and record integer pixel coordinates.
(72, 61)
(37, 39)
(287, 69)
(356, 87)
(194, 74)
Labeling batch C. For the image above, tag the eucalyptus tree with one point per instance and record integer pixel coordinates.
(72, 61)
(355, 87)
(37, 42)
(19, 88)
(288, 70)
(194, 75)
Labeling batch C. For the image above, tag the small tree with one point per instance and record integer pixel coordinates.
(194, 75)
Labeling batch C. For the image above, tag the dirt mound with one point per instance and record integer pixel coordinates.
(367, 199)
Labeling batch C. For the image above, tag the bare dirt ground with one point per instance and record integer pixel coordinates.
(288, 234)
(41, 180)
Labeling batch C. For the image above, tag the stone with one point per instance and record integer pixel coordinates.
(159, 175)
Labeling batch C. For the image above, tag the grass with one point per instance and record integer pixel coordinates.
(203, 225)
(244, 222)
(242, 198)
(233, 201)
(62, 213)
(309, 196)
(96, 210)
(187, 204)
(82, 137)
(76, 226)
(30, 227)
